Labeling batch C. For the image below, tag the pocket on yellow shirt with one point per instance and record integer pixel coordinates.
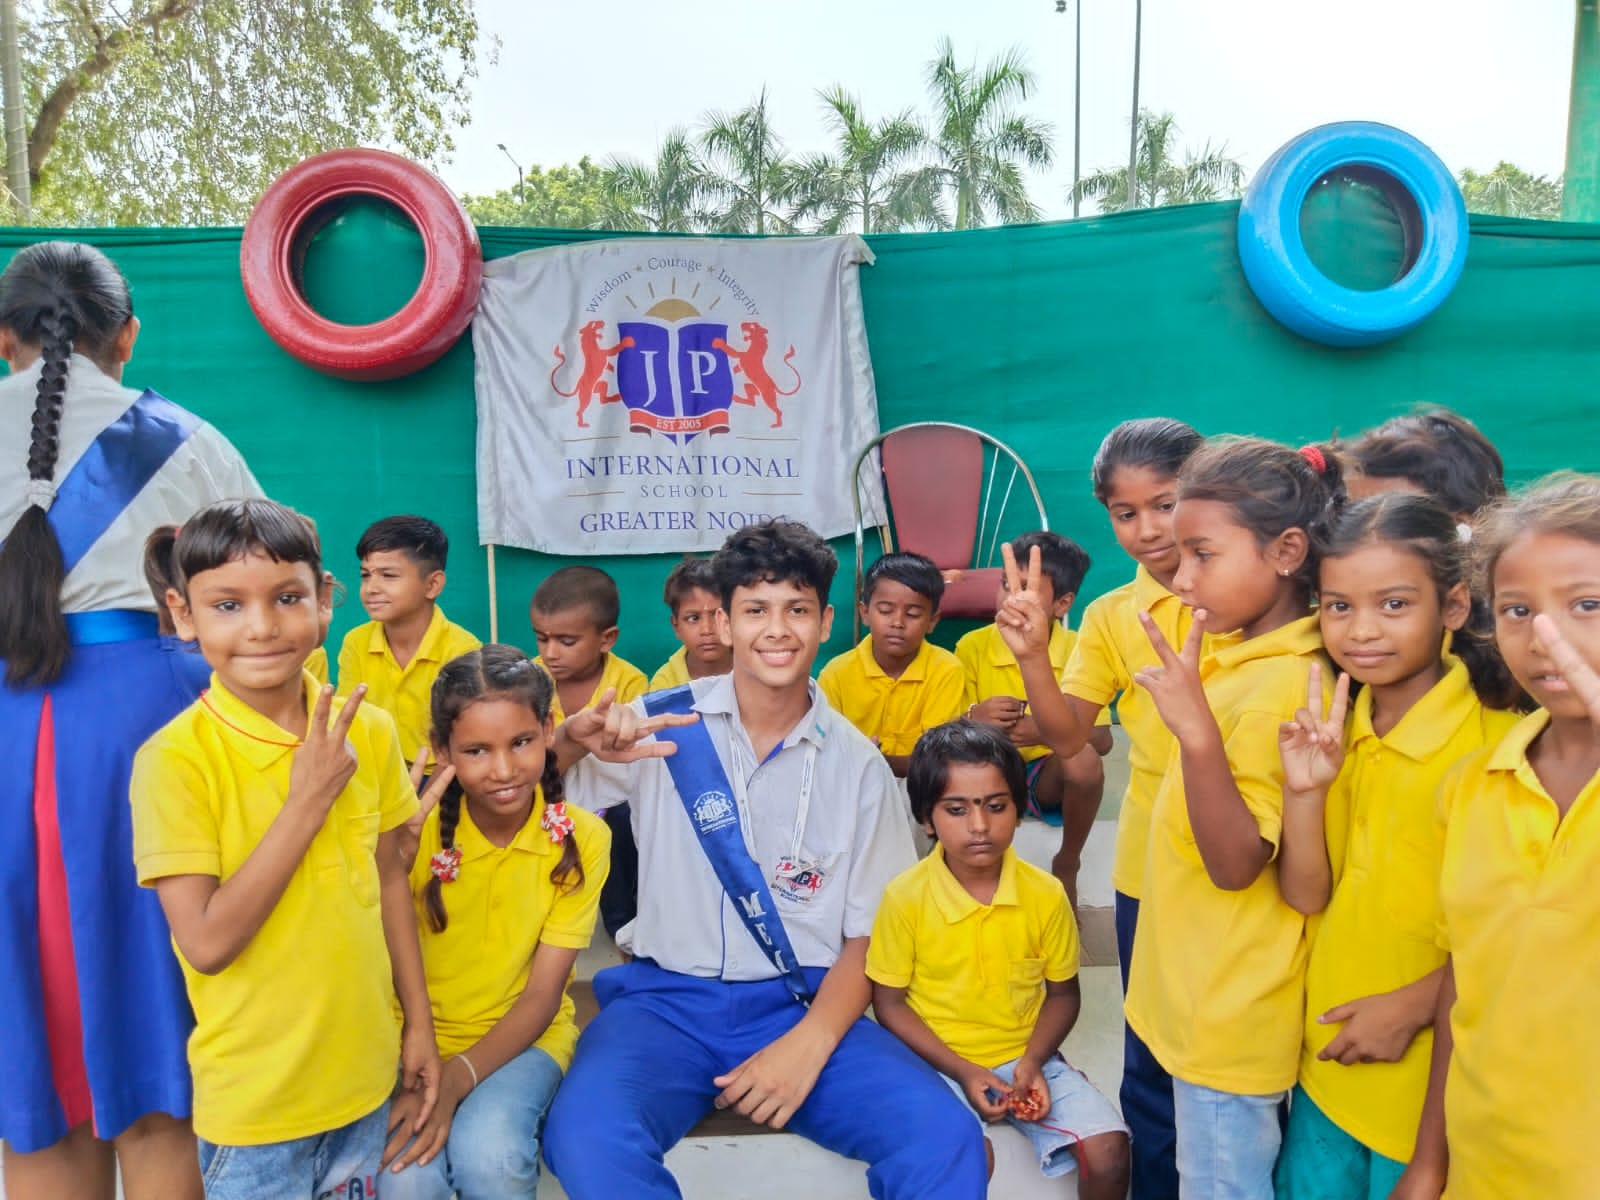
(1026, 983)
(359, 838)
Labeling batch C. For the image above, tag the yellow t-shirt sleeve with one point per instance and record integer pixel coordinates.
(397, 799)
(1094, 670)
(967, 655)
(174, 829)
(350, 655)
(570, 924)
(945, 688)
(1060, 941)
(831, 681)
(891, 954)
(1252, 750)
(632, 685)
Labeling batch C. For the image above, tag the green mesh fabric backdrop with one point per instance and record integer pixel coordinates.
(1044, 336)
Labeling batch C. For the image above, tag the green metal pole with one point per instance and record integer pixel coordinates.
(1580, 199)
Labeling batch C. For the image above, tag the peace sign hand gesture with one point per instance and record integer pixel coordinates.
(1023, 620)
(1175, 685)
(1574, 668)
(1312, 744)
(324, 762)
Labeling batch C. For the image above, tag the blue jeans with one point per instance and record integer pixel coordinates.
(493, 1148)
(642, 1079)
(341, 1164)
(1146, 1089)
(1227, 1144)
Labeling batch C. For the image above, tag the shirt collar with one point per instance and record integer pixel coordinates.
(1511, 754)
(530, 839)
(259, 741)
(427, 648)
(1430, 722)
(916, 669)
(720, 697)
(954, 901)
(1148, 592)
(1302, 636)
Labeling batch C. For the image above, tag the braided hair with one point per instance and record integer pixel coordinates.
(62, 297)
(493, 671)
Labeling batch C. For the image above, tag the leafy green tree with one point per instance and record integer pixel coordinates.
(981, 142)
(878, 177)
(667, 196)
(1509, 191)
(750, 181)
(563, 197)
(182, 111)
(1163, 179)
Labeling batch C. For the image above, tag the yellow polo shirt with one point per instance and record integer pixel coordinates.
(673, 673)
(1112, 646)
(1379, 930)
(405, 693)
(1217, 988)
(617, 673)
(317, 664)
(296, 1035)
(895, 711)
(500, 907)
(1520, 901)
(990, 669)
(975, 973)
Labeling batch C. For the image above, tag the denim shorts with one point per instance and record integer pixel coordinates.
(1077, 1112)
(341, 1164)
(1227, 1143)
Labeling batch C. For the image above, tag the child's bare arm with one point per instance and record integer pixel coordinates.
(419, 1052)
(895, 1015)
(213, 921)
(1425, 1175)
(1057, 1015)
(1381, 1028)
(1311, 748)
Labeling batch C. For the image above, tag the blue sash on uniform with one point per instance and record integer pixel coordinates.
(707, 796)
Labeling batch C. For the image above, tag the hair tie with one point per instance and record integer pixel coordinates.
(446, 865)
(40, 494)
(1464, 533)
(556, 821)
(1314, 456)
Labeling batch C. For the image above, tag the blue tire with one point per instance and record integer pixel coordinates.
(1289, 285)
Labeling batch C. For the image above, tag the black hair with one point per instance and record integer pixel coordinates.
(961, 741)
(588, 588)
(1061, 560)
(1270, 488)
(687, 576)
(159, 573)
(1424, 528)
(775, 551)
(914, 571)
(419, 539)
(493, 671)
(229, 530)
(66, 298)
(1159, 443)
(1440, 452)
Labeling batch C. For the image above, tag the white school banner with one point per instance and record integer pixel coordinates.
(644, 395)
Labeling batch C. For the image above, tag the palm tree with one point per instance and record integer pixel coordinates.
(749, 178)
(1159, 177)
(878, 177)
(981, 143)
(1509, 191)
(664, 197)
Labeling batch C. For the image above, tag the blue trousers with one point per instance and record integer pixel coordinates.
(1147, 1104)
(642, 1079)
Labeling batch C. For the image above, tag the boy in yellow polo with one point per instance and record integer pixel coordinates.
(398, 653)
(895, 683)
(272, 839)
(691, 597)
(974, 962)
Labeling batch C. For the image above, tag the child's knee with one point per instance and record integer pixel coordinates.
(1084, 770)
(1106, 1155)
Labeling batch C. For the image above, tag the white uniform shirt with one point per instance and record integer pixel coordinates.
(206, 468)
(854, 840)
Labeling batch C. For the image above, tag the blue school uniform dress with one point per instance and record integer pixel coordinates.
(94, 1003)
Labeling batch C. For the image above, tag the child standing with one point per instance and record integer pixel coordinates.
(507, 881)
(1358, 822)
(895, 683)
(691, 597)
(766, 840)
(994, 693)
(974, 962)
(1135, 476)
(396, 655)
(270, 830)
(1515, 1042)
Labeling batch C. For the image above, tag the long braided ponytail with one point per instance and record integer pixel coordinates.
(61, 297)
(449, 818)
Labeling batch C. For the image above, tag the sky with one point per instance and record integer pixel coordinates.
(1477, 80)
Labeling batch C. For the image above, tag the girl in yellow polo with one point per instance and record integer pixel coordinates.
(507, 879)
(1360, 844)
(1516, 1046)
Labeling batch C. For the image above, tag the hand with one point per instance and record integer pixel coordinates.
(427, 799)
(1376, 1029)
(419, 1067)
(1003, 711)
(1574, 668)
(434, 1132)
(1418, 1182)
(773, 1082)
(616, 733)
(1028, 1080)
(1023, 621)
(979, 1084)
(324, 762)
(1312, 745)
(1175, 685)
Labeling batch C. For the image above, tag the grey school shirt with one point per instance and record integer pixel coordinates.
(854, 839)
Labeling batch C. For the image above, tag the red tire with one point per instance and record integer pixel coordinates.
(303, 199)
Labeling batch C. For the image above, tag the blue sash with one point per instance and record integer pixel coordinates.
(707, 797)
(114, 469)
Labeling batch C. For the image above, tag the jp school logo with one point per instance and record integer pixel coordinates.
(677, 369)
(712, 811)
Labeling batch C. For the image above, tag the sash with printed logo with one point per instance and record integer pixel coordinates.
(707, 796)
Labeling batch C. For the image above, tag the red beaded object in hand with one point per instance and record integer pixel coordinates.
(556, 822)
(1029, 1105)
(446, 865)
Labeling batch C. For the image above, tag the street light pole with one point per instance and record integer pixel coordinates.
(1133, 133)
(1077, 99)
(522, 197)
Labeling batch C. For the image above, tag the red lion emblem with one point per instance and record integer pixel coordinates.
(596, 362)
(759, 383)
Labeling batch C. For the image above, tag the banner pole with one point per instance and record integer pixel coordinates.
(494, 605)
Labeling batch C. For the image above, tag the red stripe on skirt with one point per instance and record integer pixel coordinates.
(63, 1019)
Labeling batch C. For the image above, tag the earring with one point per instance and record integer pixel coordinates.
(1283, 574)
